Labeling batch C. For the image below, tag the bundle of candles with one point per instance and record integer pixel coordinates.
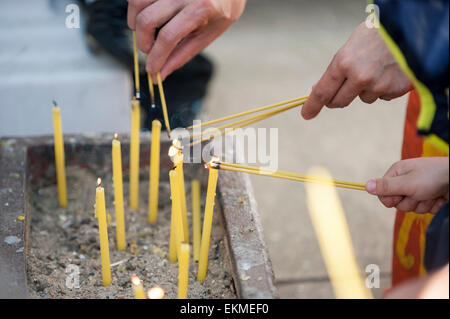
(179, 242)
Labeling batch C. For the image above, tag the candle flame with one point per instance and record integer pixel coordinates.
(135, 280)
(116, 136)
(176, 142)
(54, 103)
(173, 151)
(156, 293)
(176, 148)
(213, 163)
(99, 182)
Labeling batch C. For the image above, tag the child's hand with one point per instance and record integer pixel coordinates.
(419, 185)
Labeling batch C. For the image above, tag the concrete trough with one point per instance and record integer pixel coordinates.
(23, 161)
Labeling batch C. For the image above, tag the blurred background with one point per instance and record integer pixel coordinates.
(276, 51)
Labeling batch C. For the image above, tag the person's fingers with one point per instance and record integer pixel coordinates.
(397, 83)
(407, 204)
(368, 96)
(437, 205)
(425, 206)
(134, 7)
(184, 23)
(152, 17)
(190, 46)
(389, 186)
(324, 91)
(390, 201)
(346, 94)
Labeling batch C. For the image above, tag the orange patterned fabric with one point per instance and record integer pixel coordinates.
(410, 228)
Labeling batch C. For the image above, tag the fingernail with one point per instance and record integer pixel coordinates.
(371, 186)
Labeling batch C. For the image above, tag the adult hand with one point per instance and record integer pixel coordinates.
(363, 67)
(420, 185)
(186, 28)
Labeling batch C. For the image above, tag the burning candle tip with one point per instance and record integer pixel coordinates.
(99, 182)
(135, 280)
(213, 163)
(175, 148)
(156, 293)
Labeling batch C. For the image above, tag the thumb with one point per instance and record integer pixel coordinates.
(388, 186)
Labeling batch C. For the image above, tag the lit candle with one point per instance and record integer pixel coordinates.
(134, 154)
(138, 288)
(207, 220)
(176, 223)
(196, 218)
(154, 172)
(103, 232)
(178, 162)
(118, 193)
(183, 271)
(155, 293)
(328, 219)
(59, 156)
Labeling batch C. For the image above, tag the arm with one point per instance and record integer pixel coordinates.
(186, 28)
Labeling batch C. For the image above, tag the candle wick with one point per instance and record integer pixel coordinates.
(54, 103)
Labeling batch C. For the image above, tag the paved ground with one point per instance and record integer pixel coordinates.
(276, 51)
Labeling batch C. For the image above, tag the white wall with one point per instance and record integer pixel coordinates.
(42, 60)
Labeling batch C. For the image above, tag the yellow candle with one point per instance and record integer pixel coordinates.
(138, 288)
(183, 271)
(59, 157)
(173, 231)
(163, 103)
(178, 162)
(118, 193)
(207, 223)
(103, 233)
(196, 218)
(154, 172)
(136, 66)
(328, 219)
(177, 223)
(134, 154)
